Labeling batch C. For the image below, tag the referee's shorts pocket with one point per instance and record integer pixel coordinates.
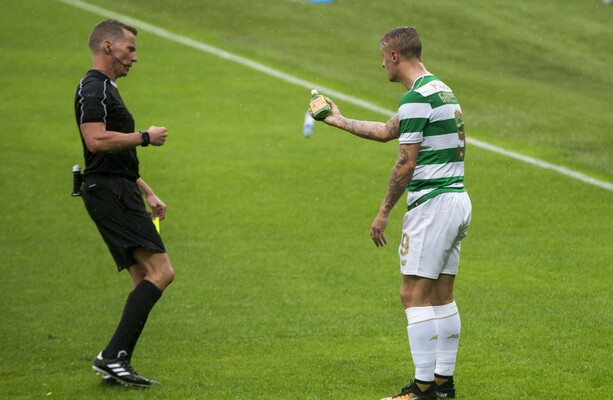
(99, 201)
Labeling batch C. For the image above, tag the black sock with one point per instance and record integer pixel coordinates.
(138, 305)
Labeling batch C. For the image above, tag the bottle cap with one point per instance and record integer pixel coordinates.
(314, 92)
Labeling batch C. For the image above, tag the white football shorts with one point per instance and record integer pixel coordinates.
(431, 235)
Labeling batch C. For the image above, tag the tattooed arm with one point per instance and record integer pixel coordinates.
(379, 131)
(401, 176)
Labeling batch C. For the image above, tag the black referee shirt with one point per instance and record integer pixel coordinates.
(97, 100)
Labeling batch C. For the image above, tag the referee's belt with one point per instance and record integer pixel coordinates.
(434, 193)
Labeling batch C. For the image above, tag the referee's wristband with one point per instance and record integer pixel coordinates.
(145, 137)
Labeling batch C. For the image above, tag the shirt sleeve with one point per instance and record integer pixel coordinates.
(93, 102)
(413, 114)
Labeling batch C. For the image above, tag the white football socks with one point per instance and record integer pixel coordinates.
(448, 328)
(422, 339)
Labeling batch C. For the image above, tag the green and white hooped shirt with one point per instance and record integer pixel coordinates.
(429, 114)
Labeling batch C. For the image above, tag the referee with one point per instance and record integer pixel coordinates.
(113, 193)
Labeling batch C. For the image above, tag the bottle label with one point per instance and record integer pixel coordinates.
(319, 107)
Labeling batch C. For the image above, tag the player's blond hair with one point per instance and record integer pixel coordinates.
(404, 40)
(109, 29)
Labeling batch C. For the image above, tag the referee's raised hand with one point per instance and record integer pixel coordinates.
(157, 135)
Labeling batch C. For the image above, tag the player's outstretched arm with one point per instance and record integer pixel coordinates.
(379, 131)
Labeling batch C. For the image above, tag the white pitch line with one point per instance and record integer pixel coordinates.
(309, 85)
(542, 164)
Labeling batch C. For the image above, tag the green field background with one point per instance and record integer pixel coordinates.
(280, 293)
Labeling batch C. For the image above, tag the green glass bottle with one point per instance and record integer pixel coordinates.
(319, 106)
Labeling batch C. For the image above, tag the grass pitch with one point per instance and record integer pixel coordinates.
(280, 293)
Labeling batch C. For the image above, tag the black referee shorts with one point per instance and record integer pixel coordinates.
(117, 207)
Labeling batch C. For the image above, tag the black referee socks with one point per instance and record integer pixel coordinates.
(138, 305)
